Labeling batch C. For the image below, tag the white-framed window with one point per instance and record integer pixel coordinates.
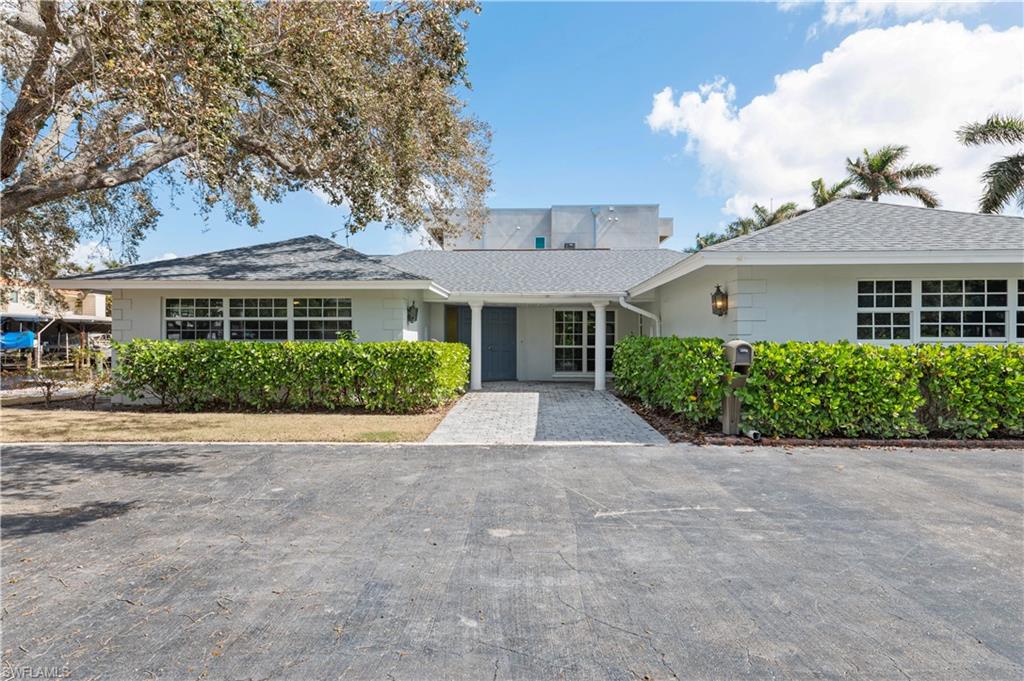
(321, 318)
(575, 341)
(30, 297)
(1020, 310)
(569, 336)
(964, 309)
(194, 319)
(884, 309)
(14, 295)
(263, 319)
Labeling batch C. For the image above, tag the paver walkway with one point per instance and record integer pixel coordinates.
(510, 412)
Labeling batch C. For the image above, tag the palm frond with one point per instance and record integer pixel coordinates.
(1004, 182)
(925, 196)
(998, 129)
(918, 171)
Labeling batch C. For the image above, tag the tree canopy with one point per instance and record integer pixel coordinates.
(1004, 179)
(241, 102)
(879, 172)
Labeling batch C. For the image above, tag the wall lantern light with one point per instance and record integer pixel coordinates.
(412, 313)
(719, 301)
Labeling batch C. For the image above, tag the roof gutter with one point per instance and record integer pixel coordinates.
(642, 312)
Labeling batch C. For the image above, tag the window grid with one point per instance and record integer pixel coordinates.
(321, 318)
(883, 309)
(569, 340)
(188, 319)
(954, 309)
(258, 319)
(1020, 309)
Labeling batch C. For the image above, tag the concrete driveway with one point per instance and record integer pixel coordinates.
(520, 412)
(419, 562)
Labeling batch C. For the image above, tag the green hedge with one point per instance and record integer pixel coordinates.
(813, 390)
(390, 377)
(684, 375)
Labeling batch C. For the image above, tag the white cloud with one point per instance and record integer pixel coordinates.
(864, 12)
(912, 85)
(400, 241)
(169, 255)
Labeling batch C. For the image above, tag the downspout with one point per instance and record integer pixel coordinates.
(642, 312)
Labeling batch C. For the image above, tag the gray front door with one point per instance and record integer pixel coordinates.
(499, 340)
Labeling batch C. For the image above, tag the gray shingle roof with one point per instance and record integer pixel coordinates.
(308, 258)
(850, 225)
(541, 271)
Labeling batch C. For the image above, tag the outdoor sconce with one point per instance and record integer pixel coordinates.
(412, 313)
(719, 301)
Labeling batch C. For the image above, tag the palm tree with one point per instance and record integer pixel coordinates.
(822, 193)
(1004, 179)
(879, 173)
(763, 217)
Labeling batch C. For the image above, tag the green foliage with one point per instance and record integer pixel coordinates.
(973, 391)
(813, 390)
(687, 376)
(819, 389)
(390, 377)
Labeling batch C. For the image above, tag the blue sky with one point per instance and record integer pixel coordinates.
(568, 88)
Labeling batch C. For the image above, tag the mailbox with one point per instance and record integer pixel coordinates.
(740, 355)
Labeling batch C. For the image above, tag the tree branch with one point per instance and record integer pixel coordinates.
(23, 195)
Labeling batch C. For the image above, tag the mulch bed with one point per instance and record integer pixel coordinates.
(675, 430)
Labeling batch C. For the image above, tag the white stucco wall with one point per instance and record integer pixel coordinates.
(376, 315)
(799, 302)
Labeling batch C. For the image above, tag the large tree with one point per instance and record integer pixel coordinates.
(107, 102)
(1004, 179)
(879, 172)
(763, 217)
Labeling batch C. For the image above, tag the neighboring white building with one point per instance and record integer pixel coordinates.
(861, 271)
(59, 326)
(564, 228)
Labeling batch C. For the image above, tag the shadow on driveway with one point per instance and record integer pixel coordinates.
(25, 524)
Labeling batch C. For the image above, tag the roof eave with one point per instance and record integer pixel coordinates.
(105, 285)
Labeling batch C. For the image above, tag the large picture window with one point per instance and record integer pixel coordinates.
(263, 319)
(963, 308)
(194, 319)
(575, 344)
(321, 318)
(883, 309)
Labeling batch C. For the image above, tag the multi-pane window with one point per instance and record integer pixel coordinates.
(1020, 310)
(963, 308)
(609, 339)
(321, 318)
(264, 319)
(194, 318)
(883, 309)
(575, 343)
(569, 340)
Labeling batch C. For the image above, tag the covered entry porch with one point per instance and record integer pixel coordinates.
(529, 340)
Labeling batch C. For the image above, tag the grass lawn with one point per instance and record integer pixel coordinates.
(63, 424)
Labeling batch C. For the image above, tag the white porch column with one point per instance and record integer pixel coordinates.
(476, 345)
(599, 345)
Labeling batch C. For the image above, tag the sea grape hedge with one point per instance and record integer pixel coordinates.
(389, 377)
(686, 376)
(814, 390)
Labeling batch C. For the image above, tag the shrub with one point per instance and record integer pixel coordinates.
(820, 389)
(687, 376)
(396, 376)
(973, 391)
